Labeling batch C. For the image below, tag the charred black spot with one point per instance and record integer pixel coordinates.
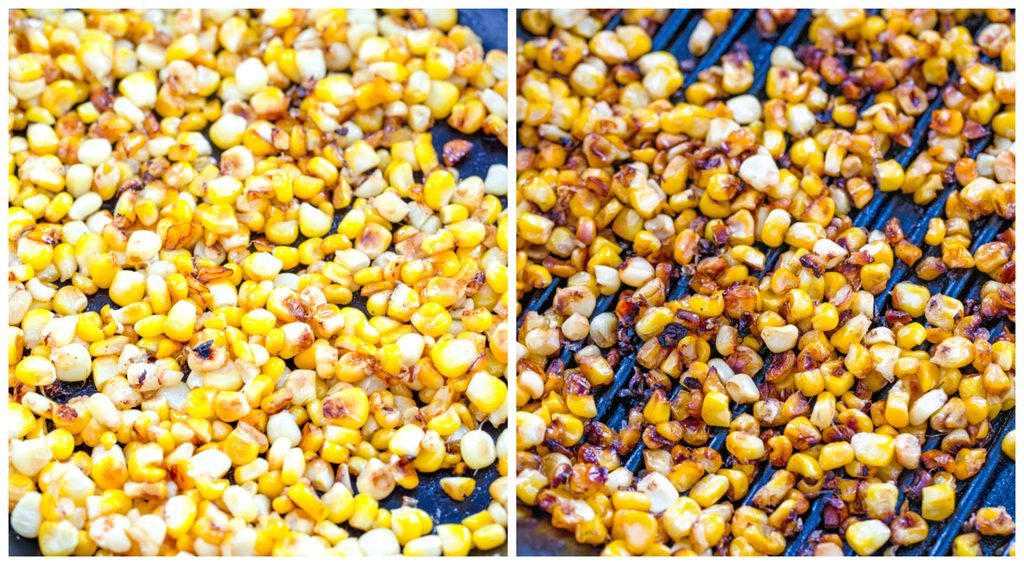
(671, 335)
(134, 185)
(205, 349)
(574, 346)
(746, 321)
(813, 262)
(895, 318)
(692, 383)
(921, 479)
(834, 514)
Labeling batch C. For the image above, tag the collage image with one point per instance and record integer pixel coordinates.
(511, 282)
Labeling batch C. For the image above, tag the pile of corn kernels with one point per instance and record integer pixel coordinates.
(719, 221)
(248, 303)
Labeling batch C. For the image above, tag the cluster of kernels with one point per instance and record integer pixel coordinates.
(988, 521)
(587, 23)
(848, 393)
(243, 406)
(817, 420)
(980, 100)
(769, 21)
(834, 151)
(590, 23)
(713, 23)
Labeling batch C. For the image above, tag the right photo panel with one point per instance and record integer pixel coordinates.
(765, 280)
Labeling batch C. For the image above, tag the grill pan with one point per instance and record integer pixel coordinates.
(491, 25)
(993, 486)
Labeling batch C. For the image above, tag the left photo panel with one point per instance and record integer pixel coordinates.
(257, 288)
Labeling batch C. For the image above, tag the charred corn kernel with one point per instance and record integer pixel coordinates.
(57, 538)
(910, 298)
(456, 539)
(966, 545)
(478, 449)
(890, 175)
(1009, 444)
(635, 529)
(489, 537)
(180, 514)
(406, 525)
(937, 502)
(458, 488)
(364, 512)
(996, 521)
(709, 490)
(874, 449)
(868, 536)
(775, 227)
(35, 371)
(486, 392)
(715, 409)
(304, 497)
